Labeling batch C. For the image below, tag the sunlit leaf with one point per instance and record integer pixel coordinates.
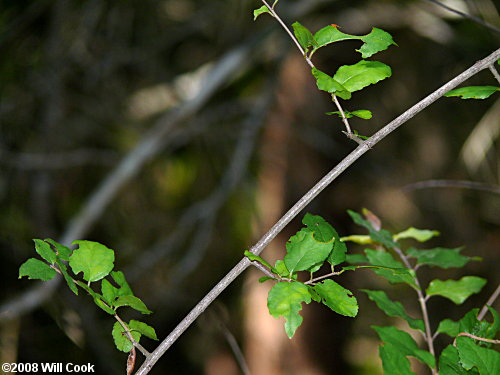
(45, 251)
(62, 251)
(473, 92)
(143, 328)
(304, 251)
(119, 278)
(303, 35)
(109, 292)
(93, 259)
(361, 113)
(122, 342)
(456, 291)
(132, 302)
(364, 73)
(328, 84)
(337, 298)
(257, 12)
(36, 269)
(421, 235)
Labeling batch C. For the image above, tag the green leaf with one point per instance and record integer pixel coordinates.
(449, 362)
(456, 291)
(393, 361)
(109, 292)
(393, 308)
(487, 361)
(93, 259)
(305, 252)
(133, 302)
(259, 11)
(356, 258)
(285, 299)
(280, 268)
(473, 92)
(62, 251)
(361, 113)
(122, 342)
(304, 36)
(377, 40)
(337, 298)
(88, 289)
(265, 278)
(328, 84)
(397, 274)
(103, 305)
(449, 327)
(404, 344)
(35, 269)
(440, 257)
(324, 232)
(364, 73)
(381, 236)
(359, 239)
(45, 251)
(470, 324)
(143, 328)
(67, 277)
(256, 258)
(119, 278)
(421, 235)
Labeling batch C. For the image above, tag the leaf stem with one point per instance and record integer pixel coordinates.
(263, 269)
(310, 63)
(323, 277)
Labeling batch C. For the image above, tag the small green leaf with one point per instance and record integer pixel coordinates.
(378, 40)
(359, 239)
(337, 298)
(393, 308)
(93, 259)
(440, 257)
(35, 269)
(487, 361)
(143, 328)
(364, 73)
(285, 299)
(361, 113)
(456, 291)
(381, 236)
(122, 342)
(67, 277)
(449, 362)
(259, 11)
(449, 327)
(62, 251)
(393, 361)
(397, 272)
(421, 235)
(45, 251)
(404, 344)
(328, 84)
(103, 305)
(473, 92)
(280, 268)
(304, 36)
(119, 278)
(133, 302)
(256, 258)
(305, 252)
(109, 292)
(265, 278)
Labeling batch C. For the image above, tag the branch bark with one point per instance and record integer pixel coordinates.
(304, 201)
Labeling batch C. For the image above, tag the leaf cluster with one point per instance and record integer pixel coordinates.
(95, 262)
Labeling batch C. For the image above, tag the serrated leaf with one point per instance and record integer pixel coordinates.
(109, 292)
(384, 259)
(305, 252)
(328, 84)
(304, 36)
(67, 277)
(285, 299)
(392, 308)
(393, 362)
(449, 327)
(440, 257)
(337, 298)
(35, 269)
(456, 291)
(119, 278)
(122, 342)
(257, 12)
(421, 235)
(45, 251)
(473, 92)
(93, 259)
(364, 73)
(361, 113)
(487, 361)
(449, 362)
(382, 236)
(132, 302)
(143, 328)
(62, 251)
(99, 302)
(404, 344)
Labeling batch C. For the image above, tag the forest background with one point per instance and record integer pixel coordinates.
(177, 132)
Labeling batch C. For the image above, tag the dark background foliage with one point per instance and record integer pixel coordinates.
(82, 83)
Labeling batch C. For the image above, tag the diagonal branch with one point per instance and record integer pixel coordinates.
(304, 201)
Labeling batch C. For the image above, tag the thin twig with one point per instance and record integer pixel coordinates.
(323, 277)
(490, 302)
(131, 338)
(310, 63)
(477, 338)
(493, 70)
(465, 15)
(263, 269)
(304, 201)
(452, 184)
